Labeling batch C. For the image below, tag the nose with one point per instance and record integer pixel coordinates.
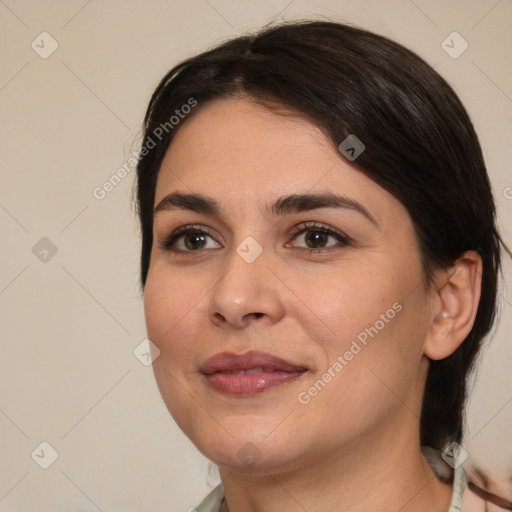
(245, 293)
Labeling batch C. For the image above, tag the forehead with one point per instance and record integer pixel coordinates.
(242, 152)
(232, 136)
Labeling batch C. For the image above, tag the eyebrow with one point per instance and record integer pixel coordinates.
(285, 205)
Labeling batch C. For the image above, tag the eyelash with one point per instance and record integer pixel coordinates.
(168, 242)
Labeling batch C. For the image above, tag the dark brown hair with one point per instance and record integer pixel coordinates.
(420, 145)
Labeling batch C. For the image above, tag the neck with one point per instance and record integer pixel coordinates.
(377, 472)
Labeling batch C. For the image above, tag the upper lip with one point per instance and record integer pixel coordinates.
(227, 361)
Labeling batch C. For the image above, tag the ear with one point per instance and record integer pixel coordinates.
(456, 296)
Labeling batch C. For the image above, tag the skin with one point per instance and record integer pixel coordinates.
(355, 446)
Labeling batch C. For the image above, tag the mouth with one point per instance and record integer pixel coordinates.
(249, 373)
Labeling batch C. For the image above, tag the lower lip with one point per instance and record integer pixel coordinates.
(251, 383)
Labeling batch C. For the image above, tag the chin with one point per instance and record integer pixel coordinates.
(257, 446)
(251, 456)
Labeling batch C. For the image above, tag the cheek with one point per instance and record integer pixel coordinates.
(159, 306)
(170, 303)
(372, 323)
(351, 302)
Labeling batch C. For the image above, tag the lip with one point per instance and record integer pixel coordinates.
(231, 361)
(276, 371)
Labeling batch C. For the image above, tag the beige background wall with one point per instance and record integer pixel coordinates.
(70, 321)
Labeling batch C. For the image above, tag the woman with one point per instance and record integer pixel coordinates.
(319, 262)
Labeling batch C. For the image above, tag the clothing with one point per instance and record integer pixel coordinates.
(212, 502)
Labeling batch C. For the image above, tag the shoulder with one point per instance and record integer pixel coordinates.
(486, 492)
(473, 491)
(212, 501)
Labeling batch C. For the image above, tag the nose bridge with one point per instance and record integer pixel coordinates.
(246, 290)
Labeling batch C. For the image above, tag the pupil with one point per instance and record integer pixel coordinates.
(318, 238)
(195, 236)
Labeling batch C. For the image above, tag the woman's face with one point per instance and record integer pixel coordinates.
(348, 306)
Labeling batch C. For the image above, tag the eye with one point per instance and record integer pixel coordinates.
(317, 235)
(194, 238)
(191, 238)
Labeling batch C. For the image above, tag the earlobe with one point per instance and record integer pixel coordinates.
(457, 299)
